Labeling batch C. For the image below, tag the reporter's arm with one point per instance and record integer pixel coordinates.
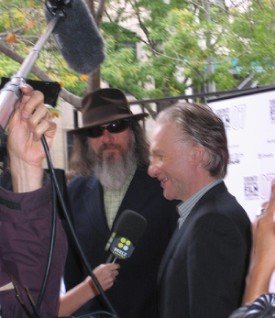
(25, 214)
(257, 283)
(262, 263)
(83, 292)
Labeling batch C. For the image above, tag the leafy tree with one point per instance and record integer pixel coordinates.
(155, 48)
(254, 49)
(188, 44)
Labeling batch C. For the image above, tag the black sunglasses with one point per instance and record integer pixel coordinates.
(113, 128)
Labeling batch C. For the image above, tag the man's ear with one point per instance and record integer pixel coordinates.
(198, 155)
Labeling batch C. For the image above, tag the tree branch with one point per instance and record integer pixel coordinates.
(66, 95)
(151, 43)
(100, 11)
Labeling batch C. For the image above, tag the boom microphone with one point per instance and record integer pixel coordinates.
(127, 231)
(76, 34)
(78, 38)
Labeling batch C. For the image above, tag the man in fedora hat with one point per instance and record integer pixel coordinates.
(111, 157)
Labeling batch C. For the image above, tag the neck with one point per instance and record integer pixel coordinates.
(198, 184)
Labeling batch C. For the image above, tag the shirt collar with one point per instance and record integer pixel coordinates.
(184, 208)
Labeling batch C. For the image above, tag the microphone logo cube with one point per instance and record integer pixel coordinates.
(122, 247)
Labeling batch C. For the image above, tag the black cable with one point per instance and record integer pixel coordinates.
(221, 94)
(52, 240)
(72, 232)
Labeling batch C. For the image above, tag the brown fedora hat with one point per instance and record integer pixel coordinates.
(104, 106)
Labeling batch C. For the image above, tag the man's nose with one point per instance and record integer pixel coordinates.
(107, 136)
(152, 170)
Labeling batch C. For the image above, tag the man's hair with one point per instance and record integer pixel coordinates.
(82, 159)
(202, 126)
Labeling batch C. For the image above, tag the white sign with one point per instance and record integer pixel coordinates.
(250, 126)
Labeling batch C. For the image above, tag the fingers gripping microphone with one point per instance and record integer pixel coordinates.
(127, 231)
(76, 35)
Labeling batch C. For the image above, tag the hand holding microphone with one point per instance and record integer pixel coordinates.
(106, 275)
(29, 122)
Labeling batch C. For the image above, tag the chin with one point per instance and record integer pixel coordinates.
(112, 156)
(168, 196)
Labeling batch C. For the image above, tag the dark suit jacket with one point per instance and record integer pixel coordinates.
(203, 271)
(134, 292)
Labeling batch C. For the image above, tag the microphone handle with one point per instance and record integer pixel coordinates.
(34, 53)
(111, 258)
(9, 95)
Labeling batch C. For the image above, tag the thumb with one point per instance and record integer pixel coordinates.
(270, 208)
(14, 119)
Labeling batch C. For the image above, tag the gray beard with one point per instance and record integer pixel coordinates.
(113, 174)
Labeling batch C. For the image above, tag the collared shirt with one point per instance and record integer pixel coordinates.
(113, 198)
(263, 306)
(185, 207)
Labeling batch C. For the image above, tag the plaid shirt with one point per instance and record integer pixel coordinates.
(113, 198)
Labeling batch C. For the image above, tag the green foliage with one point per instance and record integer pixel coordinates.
(182, 38)
(255, 47)
(7, 67)
(121, 34)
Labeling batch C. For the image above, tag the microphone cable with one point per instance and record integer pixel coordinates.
(53, 234)
(72, 232)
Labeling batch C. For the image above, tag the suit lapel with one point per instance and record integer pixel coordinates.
(179, 233)
(138, 193)
(176, 237)
(93, 202)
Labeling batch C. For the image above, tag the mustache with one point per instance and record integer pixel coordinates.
(108, 145)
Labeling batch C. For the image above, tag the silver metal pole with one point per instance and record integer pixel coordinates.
(10, 93)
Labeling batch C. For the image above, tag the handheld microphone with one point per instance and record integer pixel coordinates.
(76, 34)
(128, 229)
